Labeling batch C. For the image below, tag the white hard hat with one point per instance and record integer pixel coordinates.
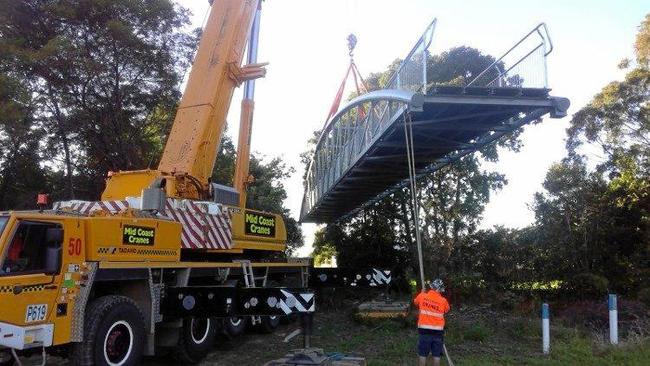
(437, 285)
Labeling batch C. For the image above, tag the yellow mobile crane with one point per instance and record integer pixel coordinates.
(162, 259)
(190, 153)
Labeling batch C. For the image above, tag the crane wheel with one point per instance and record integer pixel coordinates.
(235, 326)
(197, 337)
(269, 323)
(114, 333)
(6, 358)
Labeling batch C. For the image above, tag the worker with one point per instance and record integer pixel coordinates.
(431, 321)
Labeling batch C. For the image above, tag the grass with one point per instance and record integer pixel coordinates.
(471, 339)
(576, 351)
(477, 333)
(474, 336)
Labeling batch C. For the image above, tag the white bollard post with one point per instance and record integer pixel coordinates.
(546, 329)
(613, 319)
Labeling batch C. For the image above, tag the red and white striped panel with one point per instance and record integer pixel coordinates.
(201, 229)
(86, 207)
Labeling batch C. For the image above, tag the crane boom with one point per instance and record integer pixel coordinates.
(191, 150)
(195, 136)
(241, 176)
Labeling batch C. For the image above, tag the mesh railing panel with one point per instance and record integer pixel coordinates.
(412, 72)
(522, 66)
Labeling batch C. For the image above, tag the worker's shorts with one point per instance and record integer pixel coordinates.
(430, 343)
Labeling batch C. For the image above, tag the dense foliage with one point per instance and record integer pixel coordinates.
(102, 79)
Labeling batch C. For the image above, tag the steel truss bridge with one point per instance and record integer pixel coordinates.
(361, 155)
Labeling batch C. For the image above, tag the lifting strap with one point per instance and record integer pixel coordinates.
(359, 83)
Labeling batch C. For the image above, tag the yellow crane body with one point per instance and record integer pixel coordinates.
(196, 133)
(190, 152)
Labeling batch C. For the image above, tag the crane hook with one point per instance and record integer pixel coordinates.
(352, 42)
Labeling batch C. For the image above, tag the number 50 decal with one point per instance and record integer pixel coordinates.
(74, 246)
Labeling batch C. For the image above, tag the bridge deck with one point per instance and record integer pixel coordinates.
(361, 155)
(454, 121)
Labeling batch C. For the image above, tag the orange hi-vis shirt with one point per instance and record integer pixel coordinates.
(433, 308)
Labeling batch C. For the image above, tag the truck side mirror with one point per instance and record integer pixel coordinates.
(54, 235)
(52, 259)
(53, 240)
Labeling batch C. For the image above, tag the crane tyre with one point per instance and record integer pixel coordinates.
(114, 333)
(197, 337)
(6, 358)
(235, 326)
(269, 324)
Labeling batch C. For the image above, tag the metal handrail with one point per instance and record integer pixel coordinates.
(537, 30)
(428, 31)
(513, 66)
(403, 96)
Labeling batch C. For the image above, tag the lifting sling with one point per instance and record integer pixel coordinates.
(358, 81)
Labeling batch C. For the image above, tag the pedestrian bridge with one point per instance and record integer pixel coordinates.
(361, 155)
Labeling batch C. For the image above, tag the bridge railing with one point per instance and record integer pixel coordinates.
(411, 74)
(349, 133)
(522, 66)
(353, 130)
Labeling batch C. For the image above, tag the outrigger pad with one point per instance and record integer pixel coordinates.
(383, 309)
(203, 301)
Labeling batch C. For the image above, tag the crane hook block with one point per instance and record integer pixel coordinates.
(352, 42)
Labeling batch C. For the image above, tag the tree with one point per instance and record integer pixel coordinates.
(91, 86)
(21, 176)
(324, 251)
(642, 44)
(600, 219)
(498, 258)
(589, 224)
(618, 118)
(267, 193)
(104, 76)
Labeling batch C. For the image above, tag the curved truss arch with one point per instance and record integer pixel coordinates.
(349, 134)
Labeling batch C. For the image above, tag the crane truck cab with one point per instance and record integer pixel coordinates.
(38, 279)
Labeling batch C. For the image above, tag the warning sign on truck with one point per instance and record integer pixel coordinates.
(259, 224)
(138, 235)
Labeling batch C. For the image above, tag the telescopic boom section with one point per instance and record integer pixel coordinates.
(242, 177)
(191, 150)
(196, 134)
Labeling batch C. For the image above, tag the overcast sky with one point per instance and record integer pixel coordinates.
(305, 43)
